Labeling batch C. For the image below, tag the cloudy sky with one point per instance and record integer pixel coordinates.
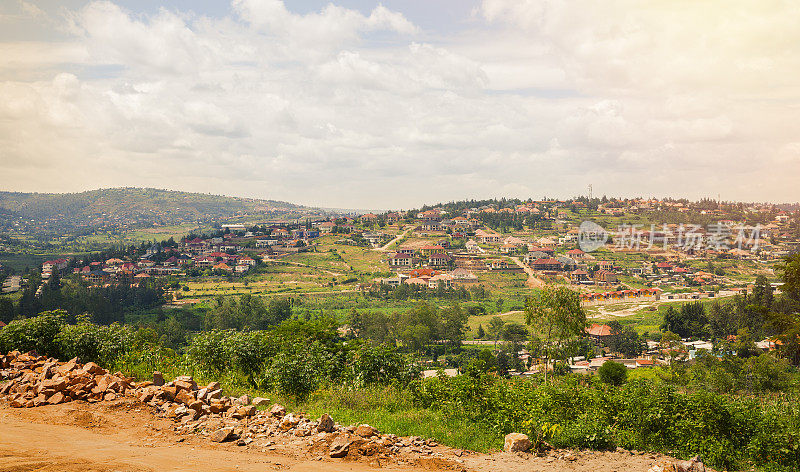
(360, 104)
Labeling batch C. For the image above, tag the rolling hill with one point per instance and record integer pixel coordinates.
(132, 207)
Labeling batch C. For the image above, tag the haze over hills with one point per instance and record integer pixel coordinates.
(134, 207)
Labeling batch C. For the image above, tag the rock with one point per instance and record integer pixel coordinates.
(366, 431)
(184, 397)
(260, 401)
(325, 423)
(94, 369)
(516, 442)
(243, 400)
(277, 410)
(222, 435)
(184, 385)
(289, 421)
(213, 386)
(340, 446)
(692, 465)
(158, 379)
(170, 392)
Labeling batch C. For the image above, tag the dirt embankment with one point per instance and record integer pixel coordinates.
(71, 417)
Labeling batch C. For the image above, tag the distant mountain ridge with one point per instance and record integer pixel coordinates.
(132, 206)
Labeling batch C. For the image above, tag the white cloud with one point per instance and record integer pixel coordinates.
(343, 108)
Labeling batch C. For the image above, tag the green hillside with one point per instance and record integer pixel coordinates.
(128, 207)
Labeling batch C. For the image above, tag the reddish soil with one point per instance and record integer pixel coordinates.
(124, 436)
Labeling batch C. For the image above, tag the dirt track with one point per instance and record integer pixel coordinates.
(124, 436)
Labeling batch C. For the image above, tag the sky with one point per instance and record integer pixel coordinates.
(361, 104)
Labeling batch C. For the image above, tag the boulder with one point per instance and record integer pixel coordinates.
(184, 397)
(222, 435)
(340, 446)
(158, 379)
(366, 431)
(288, 422)
(243, 400)
(277, 410)
(325, 423)
(692, 465)
(92, 368)
(516, 442)
(260, 401)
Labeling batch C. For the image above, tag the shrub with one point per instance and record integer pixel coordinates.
(613, 373)
(34, 334)
(90, 342)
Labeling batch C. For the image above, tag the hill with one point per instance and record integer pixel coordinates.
(131, 207)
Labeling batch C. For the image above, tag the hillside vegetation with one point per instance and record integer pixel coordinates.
(127, 207)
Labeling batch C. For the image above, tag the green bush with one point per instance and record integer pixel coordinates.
(34, 334)
(613, 373)
(90, 342)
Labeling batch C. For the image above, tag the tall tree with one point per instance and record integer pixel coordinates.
(557, 314)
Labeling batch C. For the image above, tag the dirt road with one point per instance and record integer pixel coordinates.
(124, 436)
(73, 437)
(533, 280)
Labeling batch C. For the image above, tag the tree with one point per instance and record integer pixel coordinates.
(624, 340)
(791, 277)
(454, 325)
(515, 333)
(481, 332)
(556, 312)
(762, 293)
(613, 373)
(676, 350)
(690, 321)
(496, 328)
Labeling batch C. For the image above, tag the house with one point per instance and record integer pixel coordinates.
(444, 280)
(223, 267)
(549, 252)
(497, 264)
(664, 266)
(266, 242)
(579, 276)
(576, 254)
(327, 227)
(599, 333)
(205, 262)
(423, 282)
(472, 247)
(508, 248)
(399, 259)
(487, 237)
(369, 218)
(546, 264)
(605, 277)
(431, 249)
(241, 268)
(439, 259)
(246, 261)
(405, 250)
(96, 277)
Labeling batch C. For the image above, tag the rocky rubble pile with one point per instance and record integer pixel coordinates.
(37, 380)
(34, 381)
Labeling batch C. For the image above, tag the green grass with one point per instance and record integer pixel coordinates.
(389, 408)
